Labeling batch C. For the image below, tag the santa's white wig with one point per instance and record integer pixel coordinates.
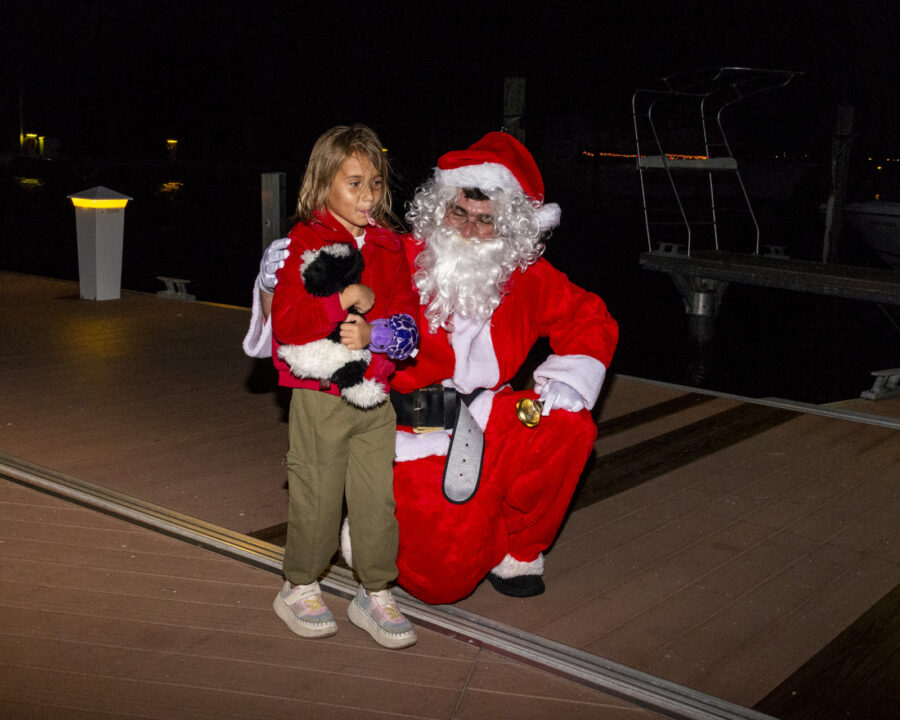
(468, 277)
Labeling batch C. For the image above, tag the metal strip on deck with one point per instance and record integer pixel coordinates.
(641, 688)
(829, 411)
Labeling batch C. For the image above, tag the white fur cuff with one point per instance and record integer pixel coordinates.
(258, 340)
(509, 567)
(581, 372)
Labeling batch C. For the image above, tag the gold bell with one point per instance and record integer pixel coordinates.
(529, 411)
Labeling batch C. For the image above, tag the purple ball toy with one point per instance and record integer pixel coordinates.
(397, 337)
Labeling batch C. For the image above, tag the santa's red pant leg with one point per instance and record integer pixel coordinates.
(527, 481)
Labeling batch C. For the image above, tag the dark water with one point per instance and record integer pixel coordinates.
(203, 223)
(200, 223)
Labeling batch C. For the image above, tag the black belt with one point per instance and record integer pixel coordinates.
(431, 408)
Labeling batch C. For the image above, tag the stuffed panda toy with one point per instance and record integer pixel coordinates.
(327, 271)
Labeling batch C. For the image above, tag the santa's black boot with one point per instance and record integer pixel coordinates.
(518, 579)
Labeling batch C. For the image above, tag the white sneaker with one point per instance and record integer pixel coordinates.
(377, 614)
(303, 610)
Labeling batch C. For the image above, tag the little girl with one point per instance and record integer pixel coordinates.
(344, 264)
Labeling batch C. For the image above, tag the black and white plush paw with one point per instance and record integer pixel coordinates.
(518, 585)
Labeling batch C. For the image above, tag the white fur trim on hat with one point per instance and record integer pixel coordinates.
(486, 176)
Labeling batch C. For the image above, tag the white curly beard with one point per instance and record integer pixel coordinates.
(456, 276)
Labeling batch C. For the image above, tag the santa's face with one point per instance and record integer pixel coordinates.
(472, 219)
(461, 272)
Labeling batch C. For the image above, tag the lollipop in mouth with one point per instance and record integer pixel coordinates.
(369, 218)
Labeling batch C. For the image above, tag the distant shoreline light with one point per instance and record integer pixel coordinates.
(679, 156)
(670, 156)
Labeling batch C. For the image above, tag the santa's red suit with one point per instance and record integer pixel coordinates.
(528, 474)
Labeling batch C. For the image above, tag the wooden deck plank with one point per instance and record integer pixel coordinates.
(797, 636)
(846, 679)
(633, 465)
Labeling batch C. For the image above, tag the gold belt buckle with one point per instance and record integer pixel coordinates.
(417, 408)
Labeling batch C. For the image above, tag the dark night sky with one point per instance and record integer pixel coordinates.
(259, 80)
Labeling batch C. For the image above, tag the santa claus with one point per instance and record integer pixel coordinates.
(481, 490)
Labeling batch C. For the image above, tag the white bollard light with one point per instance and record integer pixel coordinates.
(100, 224)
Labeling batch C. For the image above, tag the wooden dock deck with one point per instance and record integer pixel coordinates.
(746, 551)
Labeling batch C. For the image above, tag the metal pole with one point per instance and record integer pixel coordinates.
(514, 106)
(840, 163)
(273, 207)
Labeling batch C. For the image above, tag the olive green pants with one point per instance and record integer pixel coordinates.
(337, 449)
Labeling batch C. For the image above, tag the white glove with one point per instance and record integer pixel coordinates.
(272, 260)
(556, 395)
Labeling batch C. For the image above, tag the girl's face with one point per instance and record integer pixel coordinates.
(356, 188)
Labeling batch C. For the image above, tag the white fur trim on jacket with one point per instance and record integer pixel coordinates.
(581, 372)
(476, 361)
(415, 446)
(480, 408)
(509, 567)
(346, 547)
(258, 340)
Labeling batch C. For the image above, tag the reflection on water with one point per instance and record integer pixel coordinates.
(29, 183)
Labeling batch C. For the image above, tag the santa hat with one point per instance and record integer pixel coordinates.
(498, 161)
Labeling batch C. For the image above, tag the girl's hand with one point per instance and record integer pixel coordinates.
(357, 295)
(356, 333)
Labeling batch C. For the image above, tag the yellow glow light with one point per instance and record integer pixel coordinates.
(27, 182)
(99, 204)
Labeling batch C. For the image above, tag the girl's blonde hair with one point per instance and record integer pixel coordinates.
(328, 154)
